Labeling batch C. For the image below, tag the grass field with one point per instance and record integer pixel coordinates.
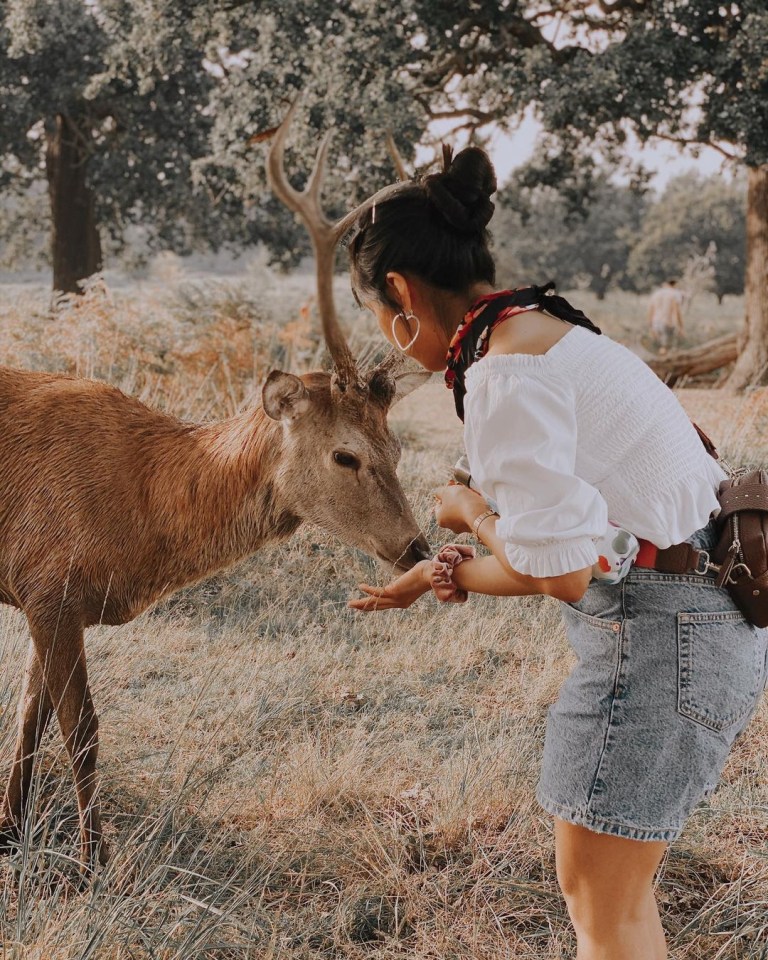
(284, 779)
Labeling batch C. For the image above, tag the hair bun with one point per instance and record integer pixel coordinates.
(462, 191)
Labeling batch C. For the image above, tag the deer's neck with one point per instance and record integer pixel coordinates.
(214, 495)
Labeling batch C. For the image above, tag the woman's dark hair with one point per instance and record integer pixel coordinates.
(433, 228)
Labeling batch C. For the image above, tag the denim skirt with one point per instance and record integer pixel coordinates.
(669, 673)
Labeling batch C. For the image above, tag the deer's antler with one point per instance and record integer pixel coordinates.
(325, 235)
(396, 157)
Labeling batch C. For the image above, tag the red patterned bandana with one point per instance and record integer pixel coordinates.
(470, 342)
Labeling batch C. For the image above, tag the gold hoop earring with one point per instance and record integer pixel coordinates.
(405, 317)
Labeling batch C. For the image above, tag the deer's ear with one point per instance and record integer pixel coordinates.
(284, 396)
(408, 381)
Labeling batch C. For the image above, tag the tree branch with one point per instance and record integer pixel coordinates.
(692, 142)
(516, 31)
(482, 116)
(620, 6)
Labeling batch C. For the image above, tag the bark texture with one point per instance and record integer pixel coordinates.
(752, 364)
(75, 241)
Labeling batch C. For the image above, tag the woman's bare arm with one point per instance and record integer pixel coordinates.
(457, 509)
(494, 575)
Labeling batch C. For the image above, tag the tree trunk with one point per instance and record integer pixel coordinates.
(752, 365)
(75, 242)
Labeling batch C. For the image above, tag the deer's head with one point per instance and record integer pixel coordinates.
(340, 462)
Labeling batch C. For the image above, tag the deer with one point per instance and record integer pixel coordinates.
(107, 505)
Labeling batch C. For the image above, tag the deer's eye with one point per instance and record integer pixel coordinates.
(346, 460)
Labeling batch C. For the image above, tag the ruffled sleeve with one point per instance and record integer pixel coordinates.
(520, 437)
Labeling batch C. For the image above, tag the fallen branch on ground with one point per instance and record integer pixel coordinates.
(696, 361)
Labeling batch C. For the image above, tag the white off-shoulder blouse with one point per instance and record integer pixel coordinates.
(583, 434)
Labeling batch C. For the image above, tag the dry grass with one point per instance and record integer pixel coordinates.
(282, 779)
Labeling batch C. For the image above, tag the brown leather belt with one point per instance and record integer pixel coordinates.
(679, 558)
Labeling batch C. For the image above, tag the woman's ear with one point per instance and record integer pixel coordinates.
(400, 289)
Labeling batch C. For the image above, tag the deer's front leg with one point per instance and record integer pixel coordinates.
(59, 646)
(34, 712)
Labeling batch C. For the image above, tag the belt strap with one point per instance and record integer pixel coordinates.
(679, 558)
(747, 496)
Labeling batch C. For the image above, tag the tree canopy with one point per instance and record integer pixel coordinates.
(539, 238)
(691, 71)
(346, 63)
(141, 111)
(128, 79)
(599, 72)
(151, 111)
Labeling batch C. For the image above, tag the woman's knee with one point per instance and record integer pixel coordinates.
(606, 873)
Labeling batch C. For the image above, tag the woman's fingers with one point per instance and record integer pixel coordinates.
(369, 604)
(372, 591)
(397, 595)
(376, 599)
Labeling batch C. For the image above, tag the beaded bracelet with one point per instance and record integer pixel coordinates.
(449, 557)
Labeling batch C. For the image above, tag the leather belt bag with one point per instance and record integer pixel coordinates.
(742, 547)
(739, 560)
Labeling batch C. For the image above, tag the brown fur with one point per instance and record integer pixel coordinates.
(107, 505)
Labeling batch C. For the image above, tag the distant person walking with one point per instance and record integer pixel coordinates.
(665, 315)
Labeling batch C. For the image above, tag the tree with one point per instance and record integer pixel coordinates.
(141, 111)
(689, 71)
(108, 100)
(348, 65)
(693, 216)
(538, 236)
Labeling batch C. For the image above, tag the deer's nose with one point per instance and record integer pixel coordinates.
(419, 549)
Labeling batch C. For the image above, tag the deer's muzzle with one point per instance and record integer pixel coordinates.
(418, 549)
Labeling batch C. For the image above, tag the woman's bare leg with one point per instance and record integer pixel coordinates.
(607, 883)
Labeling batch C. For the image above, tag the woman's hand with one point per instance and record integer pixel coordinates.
(457, 506)
(398, 594)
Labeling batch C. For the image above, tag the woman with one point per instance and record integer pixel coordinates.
(566, 430)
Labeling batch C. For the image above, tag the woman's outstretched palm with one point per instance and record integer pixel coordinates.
(398, 594)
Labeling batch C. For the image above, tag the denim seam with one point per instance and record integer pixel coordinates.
(686, 706)
(586, 818)
(711, 616)
(614, 700)
(700, 581)
(598, 622)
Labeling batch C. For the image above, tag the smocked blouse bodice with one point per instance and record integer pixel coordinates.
(583, 434)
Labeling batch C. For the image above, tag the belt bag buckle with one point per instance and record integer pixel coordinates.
(704, 564)
(725, 571)
(729, 565)
(742, 570)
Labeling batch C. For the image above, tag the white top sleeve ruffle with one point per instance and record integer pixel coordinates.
(521, 437)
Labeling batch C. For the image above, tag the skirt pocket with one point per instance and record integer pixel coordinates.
(720, 667)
